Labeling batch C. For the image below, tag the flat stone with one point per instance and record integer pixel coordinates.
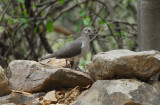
(31, 76)
(119, 92)
(117, 64)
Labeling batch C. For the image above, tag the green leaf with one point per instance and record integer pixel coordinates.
(124, 34)
(117, 34)
(40, 29)
(87, 20)
(131, 43)
(124, 2)
(82, 13)
(86, 62)
(16, 20)
(101, 22)
(49, 25)
(10, 21)
(111, 25)
(25, 13)
(23, 6)
(42, 13)
(35, 30)
(37, 23)
(79, 25)
(33, 6)
(25, 26)
(61, 1)
(19, 9)
(24, 20)
(5, 69)
(20, 1)
(13, 11)
(69, 39)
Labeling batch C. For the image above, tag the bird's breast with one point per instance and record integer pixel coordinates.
(85, 47)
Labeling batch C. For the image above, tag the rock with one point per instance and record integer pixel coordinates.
(124, 64)
(19, 98)
(155, 77)
(5, 99)
(130, 103)
(119, 92)
(155, 84)
(9, 104)
(30, 76)
(4, 85)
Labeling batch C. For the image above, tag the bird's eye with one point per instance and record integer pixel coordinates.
(88, 30)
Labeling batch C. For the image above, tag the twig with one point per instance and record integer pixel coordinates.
(69, 93)
(94, 37)
(68, 9)
(44, 40)
(5, 10)
(46, 3)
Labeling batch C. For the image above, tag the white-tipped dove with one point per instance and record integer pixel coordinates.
(74, 50)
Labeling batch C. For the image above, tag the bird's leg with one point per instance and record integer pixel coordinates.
(77, 67)
(66, 63)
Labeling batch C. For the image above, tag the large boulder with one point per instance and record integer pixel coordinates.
(124, 64)
(4, 85)
(31, 76)
(119, 92)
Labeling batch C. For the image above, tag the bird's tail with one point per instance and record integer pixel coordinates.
(47, 56)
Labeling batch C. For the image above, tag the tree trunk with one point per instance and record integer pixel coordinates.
(149, 24)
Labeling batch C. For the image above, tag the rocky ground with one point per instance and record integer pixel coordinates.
(118, 77)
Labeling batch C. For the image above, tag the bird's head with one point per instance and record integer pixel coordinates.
(87, 31)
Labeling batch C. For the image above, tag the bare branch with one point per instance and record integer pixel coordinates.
(5, 11)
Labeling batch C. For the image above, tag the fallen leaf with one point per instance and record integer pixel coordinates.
(70, 95)
(47, 102)
(21, 92)
(57, 62)
(60, 94)
(50, 96)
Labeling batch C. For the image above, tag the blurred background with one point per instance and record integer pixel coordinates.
(31, 29)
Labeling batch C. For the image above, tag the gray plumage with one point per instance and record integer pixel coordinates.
(74, 50)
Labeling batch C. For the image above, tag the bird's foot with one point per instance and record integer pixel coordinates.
(66, 63)
(77, 67)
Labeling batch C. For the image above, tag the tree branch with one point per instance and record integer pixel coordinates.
(5, 11)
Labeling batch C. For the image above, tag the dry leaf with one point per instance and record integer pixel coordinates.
(60, 95)
(58, 62)
(47, 102)
(21, 92)
(102, 28)
(70, 95)
(87, 87)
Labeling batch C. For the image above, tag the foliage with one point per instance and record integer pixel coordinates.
(32, 28)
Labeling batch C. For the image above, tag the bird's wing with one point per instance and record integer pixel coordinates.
(70, 50)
